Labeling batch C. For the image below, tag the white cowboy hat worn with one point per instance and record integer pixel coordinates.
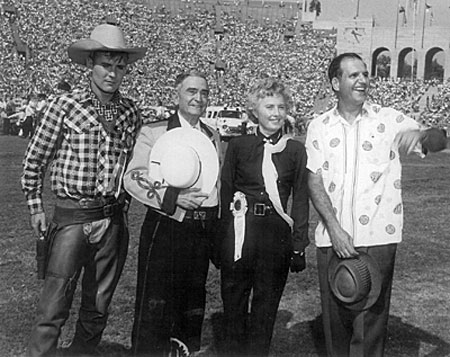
(184, 158)
(108, 38)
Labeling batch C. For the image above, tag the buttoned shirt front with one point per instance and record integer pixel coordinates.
(86, 156)
(361, 171)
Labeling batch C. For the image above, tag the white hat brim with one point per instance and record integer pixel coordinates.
(80, 50)
(200, 143)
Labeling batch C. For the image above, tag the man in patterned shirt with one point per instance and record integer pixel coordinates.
(86, 137)
(354, 180)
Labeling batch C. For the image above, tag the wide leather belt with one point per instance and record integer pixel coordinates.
(70, 211)
(261, 209)
(85, 202)
(202, 214)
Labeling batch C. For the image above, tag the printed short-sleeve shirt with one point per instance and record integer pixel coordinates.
(361, 171)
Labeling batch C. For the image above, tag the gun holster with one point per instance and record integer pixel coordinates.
(43, 244)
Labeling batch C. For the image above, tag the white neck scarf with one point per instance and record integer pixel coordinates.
(270, 176)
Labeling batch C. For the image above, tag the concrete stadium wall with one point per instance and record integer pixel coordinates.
(353, 35)
(361, 37)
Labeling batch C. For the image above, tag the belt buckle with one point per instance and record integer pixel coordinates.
(84, 202)
(259, 209)
(199, 215)
(108, 210)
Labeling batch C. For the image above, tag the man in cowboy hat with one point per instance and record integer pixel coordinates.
(355, 185)
(86, 136)
(179, 227)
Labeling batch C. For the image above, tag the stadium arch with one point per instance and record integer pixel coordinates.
(433, 69)
(431, 48)
(404, 69)
(381, 62)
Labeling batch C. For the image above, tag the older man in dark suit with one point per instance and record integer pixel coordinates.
(176, 237)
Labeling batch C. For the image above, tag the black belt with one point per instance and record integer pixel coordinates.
(261, 209)
(68, 211)
(202, 214)
(85, 202)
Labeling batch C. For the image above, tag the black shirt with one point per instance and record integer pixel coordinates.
(242, 171)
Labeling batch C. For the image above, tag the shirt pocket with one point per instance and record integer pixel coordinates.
(82, 135)
(376, 149)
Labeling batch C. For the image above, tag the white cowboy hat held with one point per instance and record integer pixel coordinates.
(108, 38)
(184, 158)
(180, 166)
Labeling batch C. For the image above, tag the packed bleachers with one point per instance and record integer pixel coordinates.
(401, 95)
(177, 42)
(437, 110)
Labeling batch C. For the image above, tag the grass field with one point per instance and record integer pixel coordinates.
(420, 312)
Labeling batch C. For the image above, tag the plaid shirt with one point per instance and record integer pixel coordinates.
(87, 159)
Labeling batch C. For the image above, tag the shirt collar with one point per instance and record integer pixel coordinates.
(89, 95)
(335, 117)
(185, 124)
(273, 139)
(114, 102)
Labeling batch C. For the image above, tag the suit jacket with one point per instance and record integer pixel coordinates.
(166, 202)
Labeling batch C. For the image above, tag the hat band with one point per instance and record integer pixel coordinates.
(351, 281)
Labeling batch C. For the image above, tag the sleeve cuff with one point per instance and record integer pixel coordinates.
(300, 245)
(34, 203)
(169, 203)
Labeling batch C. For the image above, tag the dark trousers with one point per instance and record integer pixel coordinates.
(102, 261)
(263, 270)
(172, 270)
(353, 333)
(27, 127)
(6, 126)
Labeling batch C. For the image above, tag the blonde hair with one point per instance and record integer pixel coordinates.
(266, 87)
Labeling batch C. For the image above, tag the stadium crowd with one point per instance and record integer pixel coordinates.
(232, 60)
(437, 111)
(248, 49)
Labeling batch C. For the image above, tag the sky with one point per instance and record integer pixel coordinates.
(384, 11)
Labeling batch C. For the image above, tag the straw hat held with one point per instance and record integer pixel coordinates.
(355, 282)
